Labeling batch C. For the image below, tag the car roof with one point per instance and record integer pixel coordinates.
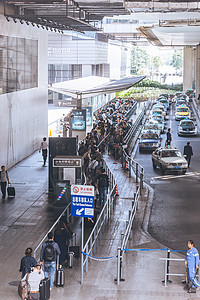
(167, 148)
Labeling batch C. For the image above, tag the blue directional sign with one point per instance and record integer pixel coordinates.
(82, 201)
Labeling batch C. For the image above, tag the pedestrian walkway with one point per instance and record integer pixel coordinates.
(25, 219)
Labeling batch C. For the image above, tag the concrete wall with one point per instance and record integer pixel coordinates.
(64, 50)
(24, 114)
(188, 68)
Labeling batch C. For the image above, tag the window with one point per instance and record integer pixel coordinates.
(18, 64)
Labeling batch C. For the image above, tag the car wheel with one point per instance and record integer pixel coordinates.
(140, 150)
(184, 172)
(162, 170)
(154, 165)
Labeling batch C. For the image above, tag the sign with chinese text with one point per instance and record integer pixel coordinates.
(82, 201)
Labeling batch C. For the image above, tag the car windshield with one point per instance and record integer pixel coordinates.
(158, 112)
(182, 109)
(164, 100)
(187, 123)
(158, 118)
(146, 136)
(171, 153)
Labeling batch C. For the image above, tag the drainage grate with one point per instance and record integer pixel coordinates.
(18, 227)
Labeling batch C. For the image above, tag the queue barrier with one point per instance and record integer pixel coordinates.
(167, 260)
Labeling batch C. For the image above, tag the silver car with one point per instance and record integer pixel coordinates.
(169, 159)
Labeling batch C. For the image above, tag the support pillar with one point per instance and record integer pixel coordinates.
(188, 68)
(197, 72)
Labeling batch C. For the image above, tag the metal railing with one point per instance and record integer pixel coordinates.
(66, 212)
(166, 271)
(91, 244)
(126, 235)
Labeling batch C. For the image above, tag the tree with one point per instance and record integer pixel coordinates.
(139, 59)
(177, 59)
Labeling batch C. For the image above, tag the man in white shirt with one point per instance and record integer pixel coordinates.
(4, 178)
(43, 147)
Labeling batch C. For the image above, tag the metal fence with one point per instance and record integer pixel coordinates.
(66, 212)
(91, 244)
(126, 235)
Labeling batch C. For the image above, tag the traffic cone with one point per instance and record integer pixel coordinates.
(50, 132)
(126, 165)
(117, 191)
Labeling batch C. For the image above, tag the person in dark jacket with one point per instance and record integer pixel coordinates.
(27, 262)
(62, 237)
(169, 137)
(188, 152)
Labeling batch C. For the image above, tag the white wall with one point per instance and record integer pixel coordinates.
(24, 114)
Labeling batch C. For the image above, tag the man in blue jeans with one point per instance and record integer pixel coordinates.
(48, 254)
(102, 185)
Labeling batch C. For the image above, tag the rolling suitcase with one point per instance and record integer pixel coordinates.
(44, 289)
(74, 248)
(60, 275)
(11, 191)
(71, 260)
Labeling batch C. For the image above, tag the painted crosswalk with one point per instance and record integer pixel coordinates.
(169, 177)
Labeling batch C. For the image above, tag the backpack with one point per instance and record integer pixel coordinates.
(49, 252)
(24, 288)
(102, 182)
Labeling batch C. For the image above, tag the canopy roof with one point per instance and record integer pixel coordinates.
(93, 85)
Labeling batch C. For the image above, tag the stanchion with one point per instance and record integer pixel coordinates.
(130, 166)
(119, 267)
(136, 172)
(167, 269)
(126, 166)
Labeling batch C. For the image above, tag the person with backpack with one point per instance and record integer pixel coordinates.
(102, 185)
(4, 178)
(27, 262)
(48, 255)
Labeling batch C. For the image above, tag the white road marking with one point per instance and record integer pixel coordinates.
(166, 177)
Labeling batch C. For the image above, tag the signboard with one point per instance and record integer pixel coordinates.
(88, 115)
(82, 201)
(67, 162)
(79, 119)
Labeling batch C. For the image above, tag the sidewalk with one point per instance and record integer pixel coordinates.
(25, 219)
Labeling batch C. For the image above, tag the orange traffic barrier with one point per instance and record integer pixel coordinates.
(50, 132)
(117, 191)
(126, 165)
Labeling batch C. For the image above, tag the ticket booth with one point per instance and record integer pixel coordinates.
(67, 170)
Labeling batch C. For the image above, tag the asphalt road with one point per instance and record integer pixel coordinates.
(175, 215)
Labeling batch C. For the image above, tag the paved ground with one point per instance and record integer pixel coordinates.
(25, 219)
(175, 211)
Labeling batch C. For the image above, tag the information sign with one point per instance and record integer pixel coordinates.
(82, 201)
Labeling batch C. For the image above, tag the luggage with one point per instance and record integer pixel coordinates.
(60, 275)
(74, 248)
(11, 191)
(71, 260)
(24, 288)
(44, 289)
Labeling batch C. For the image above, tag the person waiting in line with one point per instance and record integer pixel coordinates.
(4, 179)
(62, 236)
(102, 185)
(43, 147)
(192, 265)
(188, 152)
(48, 257)
(27, 262)
(33, 278)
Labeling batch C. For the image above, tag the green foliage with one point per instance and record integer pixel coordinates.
(147, 88)
(139, 59)
(177, 59)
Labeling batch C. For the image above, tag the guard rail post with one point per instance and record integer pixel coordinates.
(141, 181)
(136, 172)
(168, 256)
(130, 166)
(118, 265)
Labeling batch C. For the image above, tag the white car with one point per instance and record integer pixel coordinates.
(169, 159)
(187, 127)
